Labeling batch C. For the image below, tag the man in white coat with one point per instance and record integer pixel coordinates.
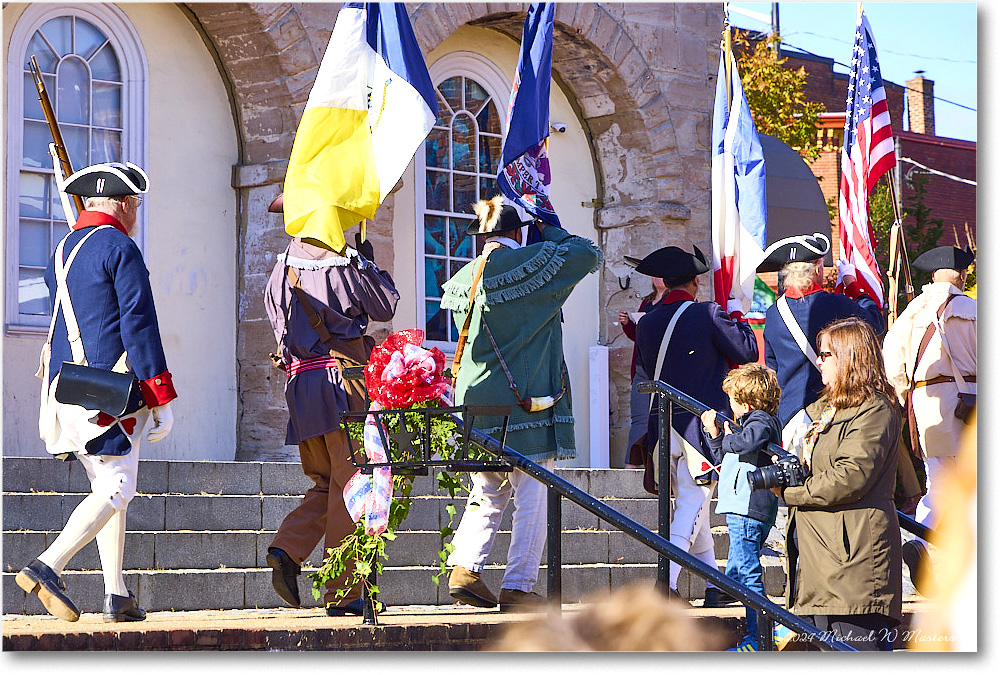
(930, 357)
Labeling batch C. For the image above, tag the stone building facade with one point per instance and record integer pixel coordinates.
(639, 76)
(636, 82)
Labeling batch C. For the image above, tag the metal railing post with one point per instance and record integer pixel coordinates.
(554, 544)
(765, 631)
(665, 419)
(369, 616)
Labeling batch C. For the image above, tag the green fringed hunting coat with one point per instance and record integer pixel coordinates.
(520, 296)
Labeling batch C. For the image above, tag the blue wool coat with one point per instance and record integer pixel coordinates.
(742, 453)
(109, 288)
(706, 342)
(799, 380)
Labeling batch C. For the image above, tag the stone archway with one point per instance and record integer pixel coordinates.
(641, 76)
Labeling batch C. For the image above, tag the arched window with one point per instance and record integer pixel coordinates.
(460, 161)
(95, 83)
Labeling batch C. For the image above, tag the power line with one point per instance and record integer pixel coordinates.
(888, 51)
(938, 173)
(848, 67)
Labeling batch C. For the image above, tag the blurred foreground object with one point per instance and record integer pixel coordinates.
(636, 618)
(952, 625)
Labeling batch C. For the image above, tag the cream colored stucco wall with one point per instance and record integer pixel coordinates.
(573, 183)
(191, 246)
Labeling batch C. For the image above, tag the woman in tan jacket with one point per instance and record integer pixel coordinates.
(844, 544)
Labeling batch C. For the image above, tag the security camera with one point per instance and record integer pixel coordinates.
(559, 127)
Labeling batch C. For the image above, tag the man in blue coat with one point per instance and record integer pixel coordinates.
(103, 316)
(794, 320)
(700, 342)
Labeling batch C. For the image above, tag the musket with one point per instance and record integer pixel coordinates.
(60, 147)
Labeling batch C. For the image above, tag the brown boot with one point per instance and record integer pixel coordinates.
(466, 586)
(512, 600)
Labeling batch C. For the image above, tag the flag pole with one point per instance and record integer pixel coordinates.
(727, 48)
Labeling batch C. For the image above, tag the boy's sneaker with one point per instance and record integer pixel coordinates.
(783, 635)
(747, 644)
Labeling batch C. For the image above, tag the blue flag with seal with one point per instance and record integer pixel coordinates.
(524, 175)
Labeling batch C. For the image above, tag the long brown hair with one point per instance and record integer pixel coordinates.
(860, 372)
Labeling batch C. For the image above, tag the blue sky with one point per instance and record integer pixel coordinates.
(936, 37)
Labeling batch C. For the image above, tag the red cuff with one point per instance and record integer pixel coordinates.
(158, 390)
(855, 290)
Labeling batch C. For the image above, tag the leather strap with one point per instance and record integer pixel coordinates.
(911, 416)
(941, 378)
(463, 335)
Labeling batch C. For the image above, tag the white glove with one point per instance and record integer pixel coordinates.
(734, 305)
(163, 422)
(845, 269)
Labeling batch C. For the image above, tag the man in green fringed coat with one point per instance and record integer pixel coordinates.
(513, 356)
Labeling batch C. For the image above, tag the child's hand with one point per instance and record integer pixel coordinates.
(708, 421)
(729, 428)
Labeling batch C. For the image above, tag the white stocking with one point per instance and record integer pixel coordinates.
(111, 547)
(83, 525)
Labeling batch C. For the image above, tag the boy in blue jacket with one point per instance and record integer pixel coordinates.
(753, 397)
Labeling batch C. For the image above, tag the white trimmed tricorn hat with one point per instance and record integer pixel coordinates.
(800, 248)
(494, 216)
(111, 179)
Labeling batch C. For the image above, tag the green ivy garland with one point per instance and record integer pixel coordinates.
(360, 553)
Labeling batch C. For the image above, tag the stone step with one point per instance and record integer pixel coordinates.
(146, 550)
(250, 587)
(39, 474)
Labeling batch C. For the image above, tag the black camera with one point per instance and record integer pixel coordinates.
(787, 472)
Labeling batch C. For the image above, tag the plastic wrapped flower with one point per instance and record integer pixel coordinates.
(400, 372)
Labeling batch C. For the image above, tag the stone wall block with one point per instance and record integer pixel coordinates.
(597, 106)
(603, 32)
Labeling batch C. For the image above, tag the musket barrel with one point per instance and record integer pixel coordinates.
(50, 118)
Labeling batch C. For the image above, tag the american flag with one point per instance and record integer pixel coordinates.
(867, 154)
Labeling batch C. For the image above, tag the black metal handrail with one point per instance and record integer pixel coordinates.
(695, 407)
(558, 488)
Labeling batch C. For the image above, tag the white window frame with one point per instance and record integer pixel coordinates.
(491, 78)
(115, 24)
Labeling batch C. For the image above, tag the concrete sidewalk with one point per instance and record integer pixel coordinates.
(405, 628)
(410, 627)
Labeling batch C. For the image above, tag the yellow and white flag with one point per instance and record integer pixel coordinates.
(371, 107)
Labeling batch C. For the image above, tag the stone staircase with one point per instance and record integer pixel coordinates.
(198, 534)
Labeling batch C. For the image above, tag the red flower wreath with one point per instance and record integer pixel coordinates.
(400, 372)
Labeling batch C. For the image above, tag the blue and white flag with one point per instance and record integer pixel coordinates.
(739, 197)
(524, 175)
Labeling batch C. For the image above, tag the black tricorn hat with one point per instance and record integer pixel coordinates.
(945, 258)
(111, 179)
(671, 261)
(800, 248)
(494, 217)
(632, 261)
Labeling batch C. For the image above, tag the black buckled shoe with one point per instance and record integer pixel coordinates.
(37, 577)
(716, 597)
(122, 608)
(354, 607)
(285, 576)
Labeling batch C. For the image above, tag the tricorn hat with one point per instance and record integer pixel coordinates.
(671, 261)
(494, 217)
(800, 248)
(945, 258)
(111, 179)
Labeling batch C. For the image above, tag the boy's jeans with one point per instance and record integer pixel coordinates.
(746, 539)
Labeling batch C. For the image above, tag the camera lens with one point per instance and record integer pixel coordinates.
(766, 477)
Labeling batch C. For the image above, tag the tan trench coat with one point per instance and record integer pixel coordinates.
(846, 559)
(934, 405)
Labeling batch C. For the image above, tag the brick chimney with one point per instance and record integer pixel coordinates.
(920, 101)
